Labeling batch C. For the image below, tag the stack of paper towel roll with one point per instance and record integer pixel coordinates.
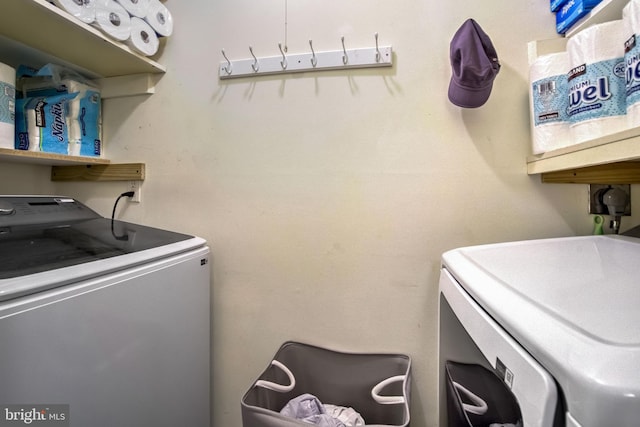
(139, 23)
(588, 99)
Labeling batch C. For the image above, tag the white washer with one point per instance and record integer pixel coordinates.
(557, 320)
(102, 323)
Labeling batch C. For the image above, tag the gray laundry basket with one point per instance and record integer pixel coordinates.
(375, 385)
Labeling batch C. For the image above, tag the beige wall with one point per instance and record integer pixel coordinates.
(328, 198)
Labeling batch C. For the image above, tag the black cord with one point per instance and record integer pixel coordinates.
(113, 214)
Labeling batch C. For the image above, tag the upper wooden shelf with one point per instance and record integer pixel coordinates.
(34, 32)
(607, 10)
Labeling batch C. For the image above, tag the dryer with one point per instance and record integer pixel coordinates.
(556, 321)
(102, 322)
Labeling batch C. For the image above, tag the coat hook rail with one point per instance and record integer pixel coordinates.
(340, 59)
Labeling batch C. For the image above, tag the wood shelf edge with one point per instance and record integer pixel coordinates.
(38, 157)
(611, 173)
(94, 173)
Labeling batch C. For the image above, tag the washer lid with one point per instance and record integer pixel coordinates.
(574, 304)
(50, 241)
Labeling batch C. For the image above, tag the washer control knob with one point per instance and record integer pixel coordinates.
(6, 208)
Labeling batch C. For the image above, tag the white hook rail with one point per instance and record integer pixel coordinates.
(378, 56)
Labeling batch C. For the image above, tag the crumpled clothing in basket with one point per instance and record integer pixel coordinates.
(348, 415)
(309, 409)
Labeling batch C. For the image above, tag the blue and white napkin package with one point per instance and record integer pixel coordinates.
(571, 12)
(42, 121)
(59, 115)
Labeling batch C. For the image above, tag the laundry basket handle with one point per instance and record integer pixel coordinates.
(278, 387)
(387, 400)
(479, 406)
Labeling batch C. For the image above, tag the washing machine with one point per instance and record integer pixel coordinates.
(541, 333)
(102, 322)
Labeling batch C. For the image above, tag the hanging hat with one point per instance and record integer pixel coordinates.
(474, 66)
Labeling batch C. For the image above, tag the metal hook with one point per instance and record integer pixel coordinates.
(314, 60)
(255, 65)
(227, 69)
(345, 58)
(283, 63)
(378, 55)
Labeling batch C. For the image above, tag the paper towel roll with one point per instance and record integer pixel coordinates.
(143, 38)
(113, 19)
(84, 10)
(137, 8)
(7, 106)
(631, 20)
(549, 98)
(597, 99)
(160, 19)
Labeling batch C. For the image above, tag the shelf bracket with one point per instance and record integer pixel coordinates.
(121, 86)
(110, 172)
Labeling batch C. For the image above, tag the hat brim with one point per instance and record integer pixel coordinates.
(467, 97)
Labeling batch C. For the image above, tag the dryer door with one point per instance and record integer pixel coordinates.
(473, 350)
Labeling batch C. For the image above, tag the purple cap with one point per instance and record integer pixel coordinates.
(474, 66)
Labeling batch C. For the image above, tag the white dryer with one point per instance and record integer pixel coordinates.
(556, 321)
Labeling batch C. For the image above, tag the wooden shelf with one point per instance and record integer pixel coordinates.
(110, 172)
(612, 173)
(40, 32)
(612, 154)
(611, 159)
(77, 168)
(616, 147)
(51, 159)
(34, 33)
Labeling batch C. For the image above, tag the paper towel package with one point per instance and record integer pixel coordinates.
(571, 12)
(631, 21)
(7, 105)
(549, 97)
(556, 4)
(597, 98)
